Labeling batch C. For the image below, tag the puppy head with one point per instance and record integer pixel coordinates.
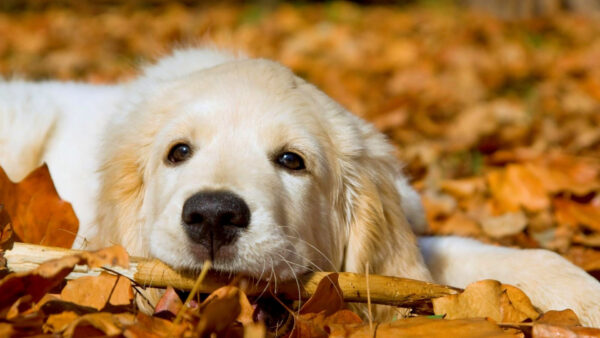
(247, 165)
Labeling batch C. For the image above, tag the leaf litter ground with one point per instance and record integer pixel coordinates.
(497, 122)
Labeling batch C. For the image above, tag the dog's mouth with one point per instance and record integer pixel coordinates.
(217, 254)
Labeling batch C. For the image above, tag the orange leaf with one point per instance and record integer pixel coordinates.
(148, 326)
(39, 281)
(487, 298)
(93, 291)
(515, 187)
(565, 317)
(547, 330)
(221, 309)
(169, 302)
(38, 214)
(574, 214)
(100, 323)
(327, 297)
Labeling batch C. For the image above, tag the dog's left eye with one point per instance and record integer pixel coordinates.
(291, 161)
(179, 153)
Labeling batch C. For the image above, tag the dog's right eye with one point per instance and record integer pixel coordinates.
(179, 153)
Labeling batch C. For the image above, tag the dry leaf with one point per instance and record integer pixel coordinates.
(327, 297)
(424, 327)
(168, 303)
(7, 237)
(564, 318)
(507, 224)
(575, 214)
(38, 214)
(147, 326)
(93, 291)
(49, 274)
(221, 309)
(101, 323)
(488, 299)
(515, 187)
(541, 330)
(59, 322)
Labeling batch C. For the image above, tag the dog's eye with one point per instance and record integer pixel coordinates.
(291, 161)
(179, 153)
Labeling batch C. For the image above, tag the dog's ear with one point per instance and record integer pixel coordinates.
(123, 164)
(120, 193)
(379, 231)
(373, 201)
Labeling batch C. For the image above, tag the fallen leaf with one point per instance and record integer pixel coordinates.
(7, 237)
(424, 327)
(101, 323)
(169, 303)
(546, 330)
(515, 186)
(221, 309)
(586, 258)
(38, 214)
(327, 297)
(510, 223)
(564, 318)
(575, 214)
(488, 299)
(39, 281)
(59, 322)
(148, 326)
(94, 291)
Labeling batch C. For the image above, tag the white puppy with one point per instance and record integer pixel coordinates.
(210, 156)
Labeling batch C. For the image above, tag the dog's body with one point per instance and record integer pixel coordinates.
(309, 185)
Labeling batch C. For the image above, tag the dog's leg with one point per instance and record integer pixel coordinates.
(550, 281)
(27, 122)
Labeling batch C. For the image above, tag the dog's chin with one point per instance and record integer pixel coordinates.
(227, 259)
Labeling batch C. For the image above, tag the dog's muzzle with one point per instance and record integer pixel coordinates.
(214, 218)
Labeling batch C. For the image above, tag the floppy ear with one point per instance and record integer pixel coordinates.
(379, 231)
(120, 200)
(368, 201)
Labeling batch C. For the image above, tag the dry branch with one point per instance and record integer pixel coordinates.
(383, 289)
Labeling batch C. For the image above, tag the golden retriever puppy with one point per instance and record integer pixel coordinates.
(211, 156)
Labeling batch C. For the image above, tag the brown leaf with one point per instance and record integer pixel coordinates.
(327, 297)
(424, 327)
(38, 214)
(487, 298)
(565, 318)
(169, 303)
(7, 235)
(586, 258)
(101, 323)
(148, 326)
(221, 309)
(515, 187)
(93, 291)
(546, 331)
(39, 281)
(575, 214)
(59, 322)
(510, 223)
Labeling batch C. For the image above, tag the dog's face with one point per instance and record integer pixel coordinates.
(248, 166)
(239, 171)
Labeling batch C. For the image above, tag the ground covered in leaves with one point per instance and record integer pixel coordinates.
(496, 121)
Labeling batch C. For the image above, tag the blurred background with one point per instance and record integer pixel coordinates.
(494, 105)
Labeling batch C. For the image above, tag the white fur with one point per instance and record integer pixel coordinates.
(105, 147)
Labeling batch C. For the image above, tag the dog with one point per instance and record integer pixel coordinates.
(211, 155)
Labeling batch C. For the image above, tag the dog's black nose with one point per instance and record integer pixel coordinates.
(214, 218)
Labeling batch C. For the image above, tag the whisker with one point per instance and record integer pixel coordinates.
(298, 238)
(297, 282)
(315, 267)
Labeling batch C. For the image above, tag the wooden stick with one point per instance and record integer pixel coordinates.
(153, 273)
